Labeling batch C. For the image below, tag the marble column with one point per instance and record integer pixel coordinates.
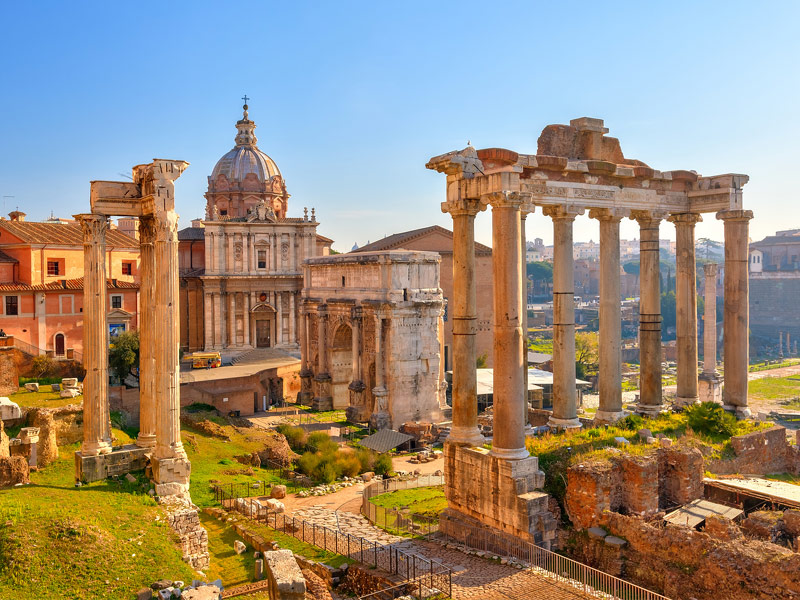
(147, 330)
(232, 341)
(246, 317)
(217, 320)
(279, 325)
(380, 418)
(525, 210)
(610, 342)
(686, 307)
(322, 381)
(208, 323)
(709, 383)
(230, 240)
(245, 253)
(736, 317)
(357, 411)
(96, 415)
(219, 250)
(565, 405)
(209, 254)
(292, 319)
(463, 312)
(650, 398)
(510, 407)
(223, 319)
(306, 373)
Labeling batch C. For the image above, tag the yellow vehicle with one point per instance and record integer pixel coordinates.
(206, 360)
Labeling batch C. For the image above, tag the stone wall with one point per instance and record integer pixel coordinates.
(5, 451)
(759, 453)
(680, 476)
(286, 581)
(13, 470)
(9, 376)
(47, 447)
(361, 580)
(193, 539)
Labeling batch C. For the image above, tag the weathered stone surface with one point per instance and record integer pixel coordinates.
(144, 594)
(286, 581)
(183, 519)
(32, 386)
(70, 393)
(612, 540)
(9, 410)
(47, 447)
(259, 569)
(722, 528)
(597, 533)
(764, 524)
(275, 505)
(69, 382)
(239, 547)
(5, 451)
(757, 453)
(621, 441)
(644, 434)
(278, 491)
(680, 476)
(13, 470)
(206, 592)
(666, 442)
(122, 460)
(791, 522)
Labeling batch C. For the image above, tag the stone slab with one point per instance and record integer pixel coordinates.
(122, 460)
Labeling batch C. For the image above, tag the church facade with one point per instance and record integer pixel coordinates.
(241, 267)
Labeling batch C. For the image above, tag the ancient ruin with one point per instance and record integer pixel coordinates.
(576, 168)
(371, 337)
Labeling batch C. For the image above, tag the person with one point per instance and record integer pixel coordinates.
(208, 364)
(2, 333)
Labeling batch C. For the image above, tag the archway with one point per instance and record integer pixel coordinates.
(341, 366)
(262, 319)
(60, 345)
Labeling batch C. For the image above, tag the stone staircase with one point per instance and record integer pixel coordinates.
(444, 431)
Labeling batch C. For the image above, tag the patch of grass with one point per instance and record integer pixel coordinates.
(234, 569)
(42, 398)
(785, 477)
(768, 367)
(426, 501)
(775, 388)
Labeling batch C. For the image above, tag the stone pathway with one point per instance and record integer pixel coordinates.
(474, 578)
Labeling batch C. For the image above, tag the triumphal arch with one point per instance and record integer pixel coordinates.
(577, 168)
(151, 198)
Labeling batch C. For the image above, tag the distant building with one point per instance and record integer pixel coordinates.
(41, 284)
(774, 286)
(535, 251)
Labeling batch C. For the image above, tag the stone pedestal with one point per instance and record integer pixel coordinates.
(123, 459)
(709, 387)
(358, 411)
(323, 400)
(306, 394)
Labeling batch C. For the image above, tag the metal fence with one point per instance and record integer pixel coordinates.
(593, 582)
(398, 520)
(416, 589)
(434, 576)
(227, 492)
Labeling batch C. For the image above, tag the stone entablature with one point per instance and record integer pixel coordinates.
(371, 336)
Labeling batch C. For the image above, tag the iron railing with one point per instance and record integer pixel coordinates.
(399, 521)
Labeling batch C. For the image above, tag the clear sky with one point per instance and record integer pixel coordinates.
(352, 99)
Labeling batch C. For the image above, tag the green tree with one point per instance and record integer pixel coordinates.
(667, 312)
(631, 267)
(42, 366)
(540, 271)
(124, 353)
(587, 356)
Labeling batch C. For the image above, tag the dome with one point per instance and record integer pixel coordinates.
(245, 158)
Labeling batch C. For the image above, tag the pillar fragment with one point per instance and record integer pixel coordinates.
(565, 407)
(147, 326)
(323, 400)
(709, 384)
(686, 306)
(736, 316)
(357, 412)
(380, 418)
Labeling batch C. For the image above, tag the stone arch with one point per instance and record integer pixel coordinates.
(341, 365)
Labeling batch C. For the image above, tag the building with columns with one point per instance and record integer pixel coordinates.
(241, 266)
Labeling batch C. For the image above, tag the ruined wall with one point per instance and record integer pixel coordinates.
(680, 476)
(682, 563)
(193, 539)
(588, 492)
(9, 377)
(47, 448)
(759, 453)
(13, 470)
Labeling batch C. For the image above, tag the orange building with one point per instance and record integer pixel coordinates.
(41, 284)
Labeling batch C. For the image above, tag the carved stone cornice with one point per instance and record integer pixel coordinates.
(464, 206)
(648, 217)
(504, 199)
(459, 164)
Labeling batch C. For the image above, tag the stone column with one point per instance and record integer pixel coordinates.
(709, 383)
(380, 418)
(208, 323)
(245, 253)
(565, 406)
(292, 319)
(322, 381)
(357, 412)
(169, 462)
(223, 319)
(686, 307)
(279, 317)
(510, 408)
(650, 398)
(246, 317)
(463, 311)
(525, 210)
(232, 319)
(306, 374)
(209, 255)
(96, 416)
(736, 343)
(230, 240)
(219, 250)
(610, 346)
(217, 320)
(148, 328)
(780, 344)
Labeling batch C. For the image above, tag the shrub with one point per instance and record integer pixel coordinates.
(348, 465)
(366, 458)
(295, 436)
(198, 407)
(308, 463)
(383, 464)
(709, 418)
(632, 422)
(327, 473)
(321, 442)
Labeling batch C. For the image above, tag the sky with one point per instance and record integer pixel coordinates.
(352, 99)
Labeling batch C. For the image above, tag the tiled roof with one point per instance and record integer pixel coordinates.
(396, 241)
(322, 238)
(191, 234)
(5, 258)
(64, 284)
(62, 234)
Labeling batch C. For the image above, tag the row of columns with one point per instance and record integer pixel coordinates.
(220, 251)
(220, 331)
(510, 391)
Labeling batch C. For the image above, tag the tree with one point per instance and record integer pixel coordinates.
(667, 312)
(124, 353)
(482, 360)
(587, 355)
(42, 366)
(540, 271)
(631, 267)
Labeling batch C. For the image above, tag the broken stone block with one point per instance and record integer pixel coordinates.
(614, 541)
(644, 434)
(69, 382)
(144, 594)
(206, 592)
(160, 584)
(278, 491)
(9, 409)
(621, 441)
(259, 569)
(284, 575)
(56, 387)
(32, 387)
(666, 442)
(652, 440)
(130, 478)
(367, 476)
(597, 533)
(70, 393)
(275, 505)
(165, 594)
(239, 547)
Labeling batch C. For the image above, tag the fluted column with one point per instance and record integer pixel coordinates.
(246, 317)
(245, 253)
(217, 320)
(356, 340)
(230, 239)
(279, 308)
(219, 250)
(147, 329)
(209, 254)
(736, 318)
(322, 380)
(292, 319)
(96, 416)
(610, 346)
(650, 397)
(686, 306)
(525, 210)
(510, 410)
(565, 406)
(464, 316)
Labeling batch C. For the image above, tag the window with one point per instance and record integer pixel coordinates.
(116, 301)
(262, 259)
(127, 268)
(12, 305)
(52, 268)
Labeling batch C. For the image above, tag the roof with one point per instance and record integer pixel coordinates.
(385, 440)
(776, 240)
(695, 513)
(540, 377)
(538, 358)
(396, 241)
(5, 258)
(777, 492)
(322, 238)
(485, 379)
(245, 158)
(64, 284)
(192, 234)
(62, 234)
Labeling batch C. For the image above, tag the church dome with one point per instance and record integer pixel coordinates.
(245, 157)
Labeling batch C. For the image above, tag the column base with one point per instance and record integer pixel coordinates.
(684, 401)
(147, 440)
(466, 436)
(96, 467)
(650, 410)
(557, 423)
(96, 448)
(709, 387)
(742, 412)
(510, 453)
(171, 475)
(322, 393)
(608, 417)
(358, 411)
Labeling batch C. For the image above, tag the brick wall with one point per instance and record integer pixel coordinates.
(759, 453)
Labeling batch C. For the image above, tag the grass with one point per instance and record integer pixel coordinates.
(785, 477)
(769, 367)
(542, 345)
(234, 569)
(774, 388)
(42, 398)
(426, 501)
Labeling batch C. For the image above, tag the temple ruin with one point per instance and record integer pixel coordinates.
(577, 168)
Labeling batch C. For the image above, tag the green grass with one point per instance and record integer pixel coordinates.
(785, 477)
(542, 345)
(775, 388)
(234, 569)
(426, 501)
(764, 367)
(43, 398)
(100, 540)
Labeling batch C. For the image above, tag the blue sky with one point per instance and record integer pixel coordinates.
(351, 99)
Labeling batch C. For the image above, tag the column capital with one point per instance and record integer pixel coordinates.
(561, 212)
(648, 216)
(357, 313)
(527, 208)
(710, 269)
(685, 218)
(464, 206)
(147, 229)
(504, 199)
(735, 215)
(609, 214)
(92, 225)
